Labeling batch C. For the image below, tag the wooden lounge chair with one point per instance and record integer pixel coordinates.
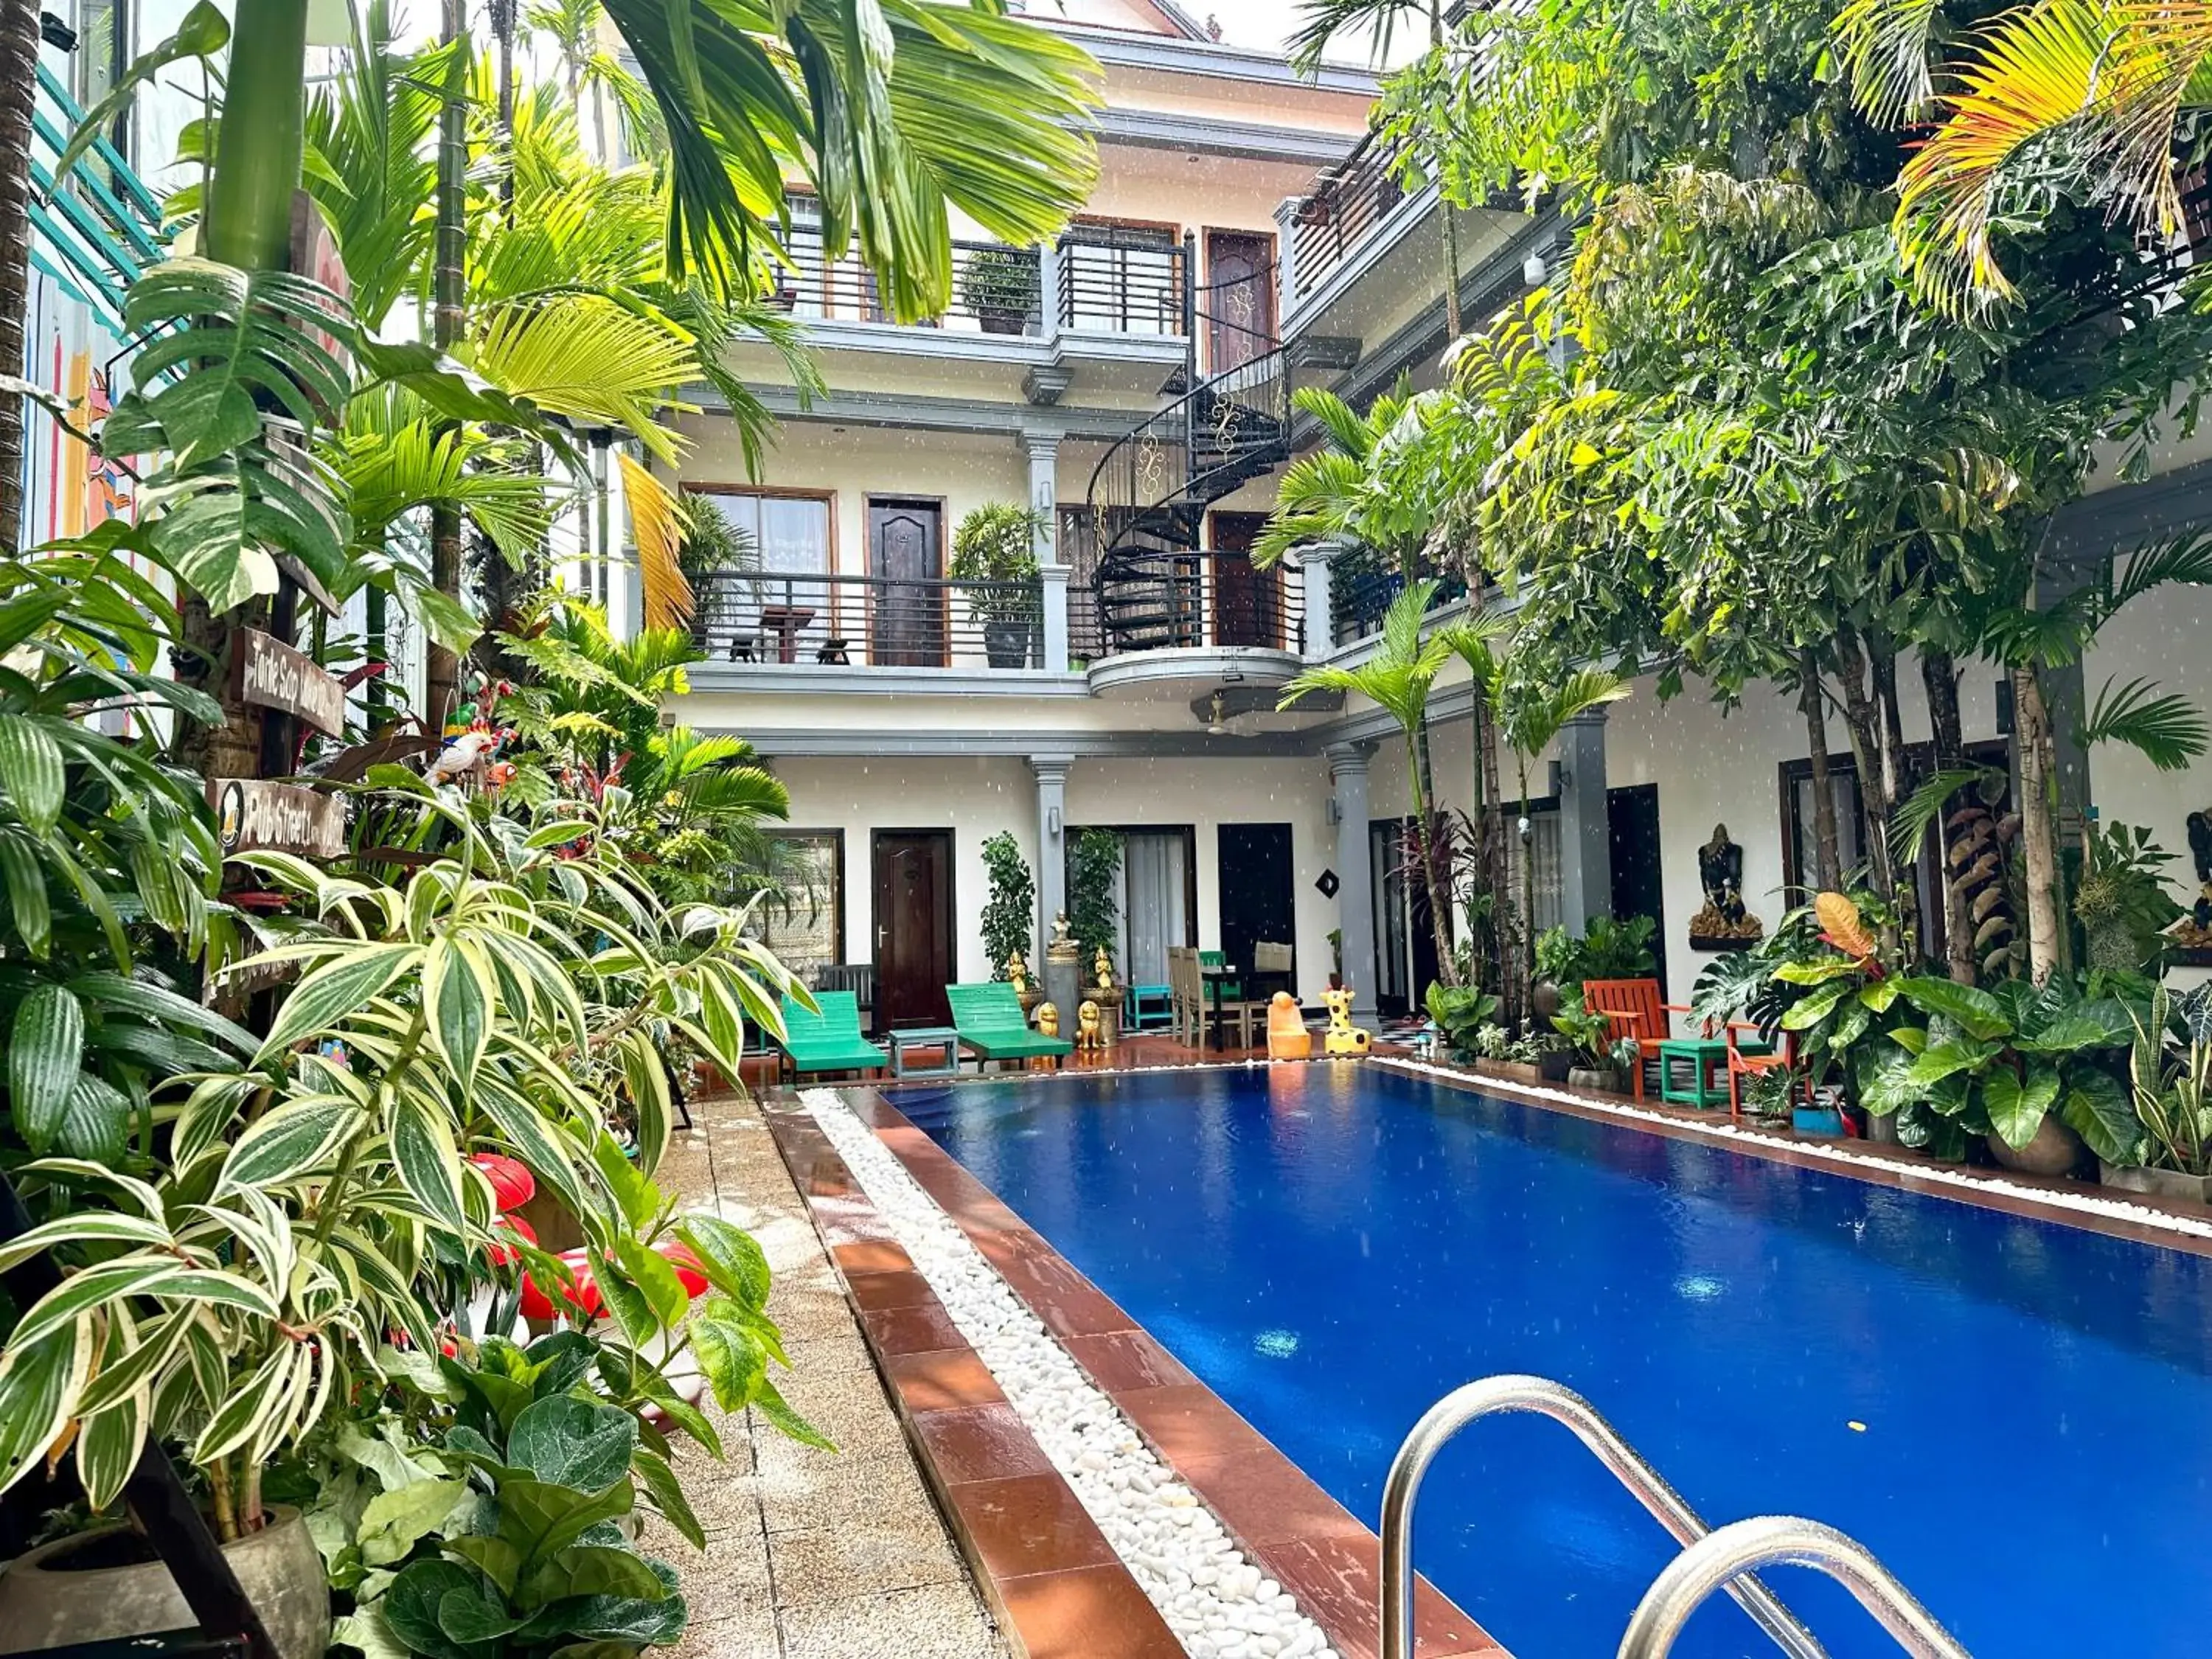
(1633, 1008)
(988, 1016)
(829, 1041)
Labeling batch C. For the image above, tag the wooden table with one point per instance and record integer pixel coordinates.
(786, 621)
(1257, 980)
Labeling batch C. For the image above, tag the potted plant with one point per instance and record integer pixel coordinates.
(2169, 1074)
(1094, 916)
(1003, 286)
(1604, 1060)
(1010, 910)
(994, 547)
(1462, 1014)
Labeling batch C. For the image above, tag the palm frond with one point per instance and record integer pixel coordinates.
(1922, 809)
(2187, 559)
(2169, 731)
(1346, 426)
(657, 527)
(584, 356)
(1885, 45)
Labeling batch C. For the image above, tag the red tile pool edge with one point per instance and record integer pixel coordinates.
(1320, 1552)
(1053, 1583)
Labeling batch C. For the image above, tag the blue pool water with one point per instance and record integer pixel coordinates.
(1332, 1248)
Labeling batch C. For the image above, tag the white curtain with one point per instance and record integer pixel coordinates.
(1153, 875)
(1542, 855)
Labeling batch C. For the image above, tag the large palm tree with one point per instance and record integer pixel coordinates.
(19, 93)
(1398, 678)
(2110, 87)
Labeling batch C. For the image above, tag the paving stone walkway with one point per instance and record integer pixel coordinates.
(810, 1554)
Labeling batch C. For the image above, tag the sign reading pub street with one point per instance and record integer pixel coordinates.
(251, 814)
(273, 675)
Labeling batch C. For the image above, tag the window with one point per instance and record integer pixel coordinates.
(1798, 835)
(1540, 854)
(802, 919)
(790, 533)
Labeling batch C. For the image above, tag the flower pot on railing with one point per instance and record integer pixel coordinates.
(1007, 641)
(1003, 286)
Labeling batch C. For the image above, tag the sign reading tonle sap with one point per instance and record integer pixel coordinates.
(273, 675)
(251, 814)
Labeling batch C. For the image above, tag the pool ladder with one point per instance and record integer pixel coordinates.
(1726, 1559)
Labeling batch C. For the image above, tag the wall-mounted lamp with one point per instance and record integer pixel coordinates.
(1332, 811)
(1216, 720)
(1052, 820)
(1556, 778)
(1534, 271)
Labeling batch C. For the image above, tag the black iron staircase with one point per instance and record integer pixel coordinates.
(1154, 581)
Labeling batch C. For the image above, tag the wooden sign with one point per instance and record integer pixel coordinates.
(271, 674)
(251, 814)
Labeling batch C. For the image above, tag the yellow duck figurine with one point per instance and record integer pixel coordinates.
(1287, 1036)
(1343, 1037)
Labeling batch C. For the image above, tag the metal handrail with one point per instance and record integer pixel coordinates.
(1720, 1558)
(1562, 1405)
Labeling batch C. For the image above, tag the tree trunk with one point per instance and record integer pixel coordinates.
(1424, 846)
(2039, 831)
(1827, 861)
(1941, 678)
(442, 676)
(1896, 778)
(1452, 321)
(1862, 720)
(19, 93)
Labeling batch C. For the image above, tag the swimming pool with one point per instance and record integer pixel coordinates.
(1331, 1247)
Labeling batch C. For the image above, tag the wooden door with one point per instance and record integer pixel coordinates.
(914, 926)
(906, 555)
(1239, 298)
(1248, 603)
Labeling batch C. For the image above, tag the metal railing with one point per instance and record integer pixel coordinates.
(101, 228)
(1123, 282)
(749, 617)
(996, 289)
(1361, 587)
(1163, 601)
(1344, 208)
(1644, 1483)
(1722, 1557)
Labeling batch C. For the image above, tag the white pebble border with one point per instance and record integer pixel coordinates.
(1219, 1604)
(2119, 1209)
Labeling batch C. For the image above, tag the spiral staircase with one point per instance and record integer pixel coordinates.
(1154, 582)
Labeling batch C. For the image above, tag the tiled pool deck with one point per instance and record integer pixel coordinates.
(1059, 1589)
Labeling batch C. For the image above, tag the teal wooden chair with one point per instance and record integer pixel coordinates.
(829, 1041)
(989, 1018)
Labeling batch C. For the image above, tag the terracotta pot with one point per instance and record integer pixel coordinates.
(44, 1604)
(2158, 1183)
(2053, 1150)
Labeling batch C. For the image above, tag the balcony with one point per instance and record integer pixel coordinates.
(1337, 219)
(785, 623)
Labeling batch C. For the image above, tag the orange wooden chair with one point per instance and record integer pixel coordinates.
(1635, 1008)
(1741, 1065)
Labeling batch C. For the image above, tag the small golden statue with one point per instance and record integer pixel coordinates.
(1018, 972)
(1090, 1033)
(1103, 966)
(1048, 1019)
(1343, 1037)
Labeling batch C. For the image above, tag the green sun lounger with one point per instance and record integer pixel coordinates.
(829, 1041)
(988, 1017)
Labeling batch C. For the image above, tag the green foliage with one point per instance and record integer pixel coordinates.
(995, 542)
(1608, 950)
(1002, 281)
(2120, 899)
(1586, 1029)
(1463, 1015)
(1094, 883)
(1009, 911)
(2170, 1081)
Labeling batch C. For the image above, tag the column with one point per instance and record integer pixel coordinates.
(1048, 279)
(1051, 772)
(1320, 623)
(1585, 831)
(1355, 875)
(1286, 257)
(1043, 448)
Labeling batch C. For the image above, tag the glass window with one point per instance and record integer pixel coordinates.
(792, 532)
(802, 918)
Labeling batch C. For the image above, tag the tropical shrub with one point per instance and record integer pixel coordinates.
(996, 544)
(1094, 903)
(1608, 950)
(1463, 1015)
(2170, 1081)
(1009, 911)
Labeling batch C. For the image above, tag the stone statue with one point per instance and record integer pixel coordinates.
(1720, 871)
(1018, 972)
(1060, 941)
(1103, 966)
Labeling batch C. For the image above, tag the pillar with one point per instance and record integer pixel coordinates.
(1585, 829)
(1051, 772)
(1286, 257)
(1355, 875)
(1043, 451)
(1320, 621)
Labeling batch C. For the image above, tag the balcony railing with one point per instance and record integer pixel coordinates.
(876, 622)
(1345, 205)
(1123, 282)
(1161, 601)
(1099, 279)
(1361, 589)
